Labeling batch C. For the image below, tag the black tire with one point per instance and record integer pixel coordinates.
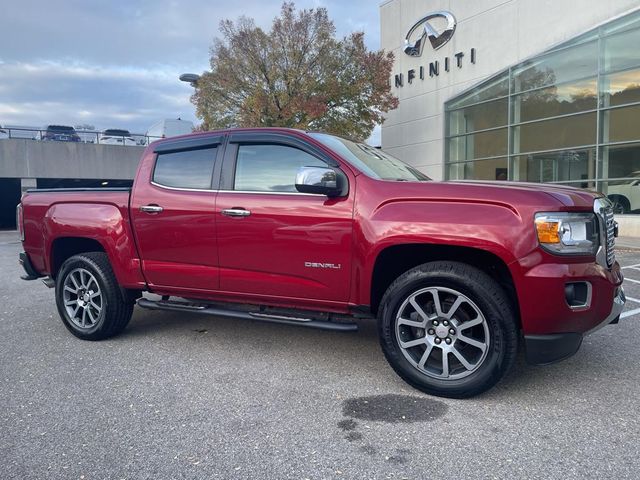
(115, 312)
(485, 294)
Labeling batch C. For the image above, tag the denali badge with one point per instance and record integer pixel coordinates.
(335, 266)
(437, 39)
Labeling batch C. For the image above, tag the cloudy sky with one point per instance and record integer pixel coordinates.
(116, 64)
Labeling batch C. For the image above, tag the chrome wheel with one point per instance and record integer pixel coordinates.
(442, 333)
(82, 298)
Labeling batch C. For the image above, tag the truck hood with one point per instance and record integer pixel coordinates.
(568, 196)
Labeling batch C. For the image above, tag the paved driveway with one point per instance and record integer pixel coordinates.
(185, 396)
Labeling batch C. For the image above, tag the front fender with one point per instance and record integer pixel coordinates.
(492, 227)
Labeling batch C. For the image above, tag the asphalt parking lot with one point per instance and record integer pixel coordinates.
(186, 396)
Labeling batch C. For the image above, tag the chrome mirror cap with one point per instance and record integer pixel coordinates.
(318, 180)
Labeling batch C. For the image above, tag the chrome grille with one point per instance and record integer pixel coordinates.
(610, 239)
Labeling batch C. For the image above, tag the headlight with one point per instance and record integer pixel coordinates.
(568, 233)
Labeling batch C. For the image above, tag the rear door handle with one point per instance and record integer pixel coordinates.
(236, 212)
(151, 208)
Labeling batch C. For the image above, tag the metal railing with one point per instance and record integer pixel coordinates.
(81, 136)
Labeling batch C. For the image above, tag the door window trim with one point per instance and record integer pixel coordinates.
(186, 145)
(234, 141)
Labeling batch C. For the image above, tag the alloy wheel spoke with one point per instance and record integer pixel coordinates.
(411, 323)
(463, 360)
(91, 317)
(436, 303)
(445, 363)
(70, 302)
(75, 281)
(75, 311)
(413, 343)
(69, 289)
(84, 317)
(95, 305)
(472, 342)
(470, 323)
(454, 307)
(425, 356)
(419, 310)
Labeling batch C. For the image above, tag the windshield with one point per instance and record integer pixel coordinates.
(373, 162)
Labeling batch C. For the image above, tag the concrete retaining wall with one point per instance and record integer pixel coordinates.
(22, 158)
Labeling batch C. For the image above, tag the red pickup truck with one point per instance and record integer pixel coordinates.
(310, 229)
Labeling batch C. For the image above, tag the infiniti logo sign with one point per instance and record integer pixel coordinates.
(437, 39)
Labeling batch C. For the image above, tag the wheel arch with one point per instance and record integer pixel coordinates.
(63, 248)
(393, 261)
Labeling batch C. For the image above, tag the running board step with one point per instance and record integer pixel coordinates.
(263, 317)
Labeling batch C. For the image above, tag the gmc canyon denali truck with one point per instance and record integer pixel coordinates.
(310, 229)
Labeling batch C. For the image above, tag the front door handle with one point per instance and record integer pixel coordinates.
(151, 208)
(235, 212)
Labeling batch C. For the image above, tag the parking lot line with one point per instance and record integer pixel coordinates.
(627, 279)
(632, 266)
(630, 313)
(632, 299)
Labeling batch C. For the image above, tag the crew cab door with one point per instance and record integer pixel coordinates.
(272, 240)
(173, 214)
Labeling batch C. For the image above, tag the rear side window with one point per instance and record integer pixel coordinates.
(270, 168)
(186, 169)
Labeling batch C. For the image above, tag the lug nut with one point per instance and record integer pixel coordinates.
(432, 331)
(445, 323)
(448, 340)
(435, 323)
(437, 340)
(452, 331)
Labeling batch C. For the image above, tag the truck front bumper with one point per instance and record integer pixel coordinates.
(545, 349)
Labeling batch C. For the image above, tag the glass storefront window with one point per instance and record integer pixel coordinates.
(555, 100)
(492, 169)
(621, 124)
(620, 88)
(621, 50)
(621, 161)
(494, 88)
(571, 131)
(573, 117)
(560, 66)
(479, 117)
(562, 166)
(479, 145)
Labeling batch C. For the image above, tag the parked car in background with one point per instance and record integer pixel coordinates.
(114, 136)
(169, 128)
(60, 133)
(625, 194)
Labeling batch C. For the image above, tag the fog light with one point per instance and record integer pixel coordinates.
(578, 294)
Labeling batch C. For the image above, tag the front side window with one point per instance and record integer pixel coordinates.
(191, 169)
(270, 168)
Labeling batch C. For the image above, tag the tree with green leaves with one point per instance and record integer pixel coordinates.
(296, 75)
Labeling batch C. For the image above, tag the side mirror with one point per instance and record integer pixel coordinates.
(320, 180)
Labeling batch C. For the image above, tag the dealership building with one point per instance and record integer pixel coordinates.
(524, 90)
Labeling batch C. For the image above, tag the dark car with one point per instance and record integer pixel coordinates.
(60, 133)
